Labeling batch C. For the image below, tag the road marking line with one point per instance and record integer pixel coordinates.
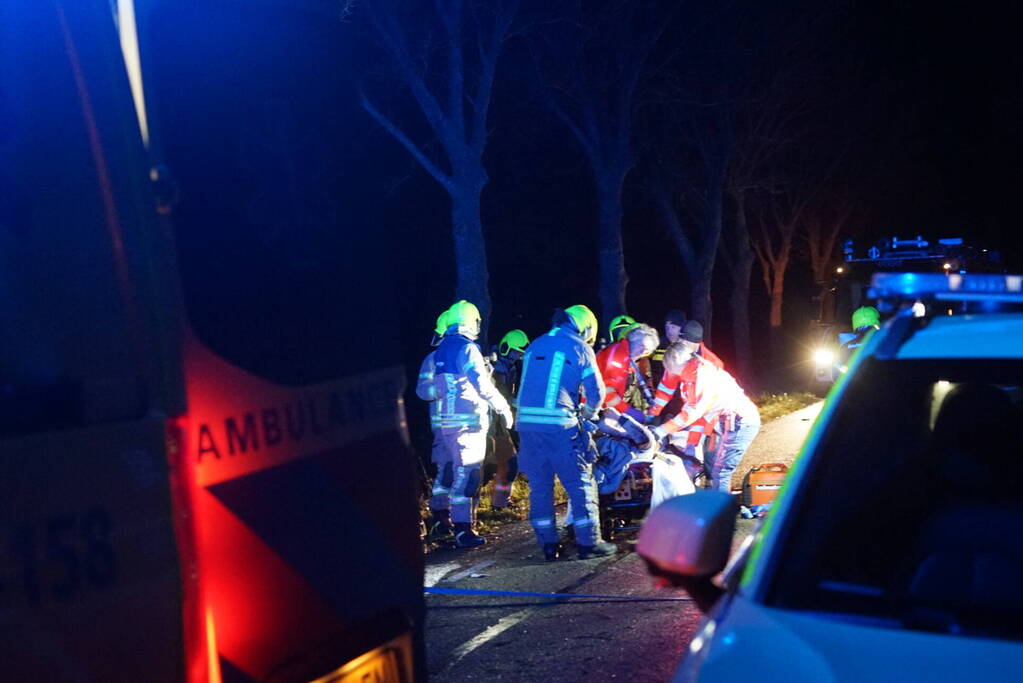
(471, 570)
(489, 634)
(438, 572)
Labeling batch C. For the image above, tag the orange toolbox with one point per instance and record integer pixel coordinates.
(761, 483)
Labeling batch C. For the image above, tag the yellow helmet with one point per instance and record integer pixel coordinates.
(620, 324)
(466, 316)
(516, 340)
(585, 322)
(442, 323)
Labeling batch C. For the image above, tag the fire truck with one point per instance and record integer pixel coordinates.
(204, 475)
(847, 289)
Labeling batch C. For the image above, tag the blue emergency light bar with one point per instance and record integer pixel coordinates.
(950, 287)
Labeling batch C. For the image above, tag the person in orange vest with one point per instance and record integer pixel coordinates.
(619, 369)
(693, 334)
(711, 395)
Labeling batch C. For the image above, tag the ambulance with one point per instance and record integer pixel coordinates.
(205, 474)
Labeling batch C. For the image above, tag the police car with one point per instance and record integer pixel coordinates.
(893, 550)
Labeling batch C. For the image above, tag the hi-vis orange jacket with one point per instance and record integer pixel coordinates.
(615, 365)
(709, 392)
(669, 382)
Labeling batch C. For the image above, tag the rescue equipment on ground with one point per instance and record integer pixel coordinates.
(761, 484)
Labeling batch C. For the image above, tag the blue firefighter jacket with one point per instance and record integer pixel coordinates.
(558, 369)
(465, 392)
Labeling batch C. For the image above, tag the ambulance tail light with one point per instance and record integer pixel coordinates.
(201, 664)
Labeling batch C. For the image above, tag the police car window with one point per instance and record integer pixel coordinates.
(252, 115)
(64, 335)
(904, 516)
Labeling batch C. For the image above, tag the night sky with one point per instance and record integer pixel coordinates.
(922, 103)
(929, 95)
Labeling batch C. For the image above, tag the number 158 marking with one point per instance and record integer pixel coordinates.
(69, 550)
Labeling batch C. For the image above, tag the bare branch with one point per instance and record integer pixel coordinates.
(407, 143)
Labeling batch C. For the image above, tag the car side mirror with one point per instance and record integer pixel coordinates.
(687, 540)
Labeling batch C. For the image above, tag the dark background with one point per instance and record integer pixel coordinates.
(923, 99)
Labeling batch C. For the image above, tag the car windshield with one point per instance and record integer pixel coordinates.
(911, 506)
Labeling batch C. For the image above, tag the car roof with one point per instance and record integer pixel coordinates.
(992, 335)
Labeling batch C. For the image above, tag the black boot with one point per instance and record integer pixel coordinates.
(552, 551)
(465, 537)
(439, 526)
(600, 549)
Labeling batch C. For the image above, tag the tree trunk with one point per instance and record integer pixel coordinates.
(742, 271)
(777, 292)
(611, 255)
(716, 161)
(472, 276)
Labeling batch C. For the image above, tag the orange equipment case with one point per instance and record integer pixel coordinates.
(761, 483)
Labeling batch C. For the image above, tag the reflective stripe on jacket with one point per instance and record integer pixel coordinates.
(669, 382)
(427, 390)
(708, 392)
(463, 385)
(558, 369)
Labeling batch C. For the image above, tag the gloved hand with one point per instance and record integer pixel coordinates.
(508, 419)
(650, 419)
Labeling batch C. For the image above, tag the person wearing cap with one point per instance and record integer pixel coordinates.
(674, 322)
(710, 396)
(558, 371)
(507, 368)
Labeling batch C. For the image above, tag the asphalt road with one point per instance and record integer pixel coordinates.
(531, 638)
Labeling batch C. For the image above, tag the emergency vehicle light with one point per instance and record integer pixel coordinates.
(951, 287)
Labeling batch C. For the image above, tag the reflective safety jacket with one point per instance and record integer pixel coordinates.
(657, 360)
(558, 370)
(708, 392)
(615, 366)
(426, 390)
(463, 385)
(668, 384)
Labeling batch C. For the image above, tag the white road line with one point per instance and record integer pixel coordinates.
(497, 629)
(438, 572)
(471, 570)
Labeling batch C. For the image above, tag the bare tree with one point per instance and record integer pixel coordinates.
(455, 104)
(820, 230)
(772, 242)
(590, 57)
(690, 202)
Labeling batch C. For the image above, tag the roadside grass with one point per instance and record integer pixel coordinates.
(488, 518)
(773, 406)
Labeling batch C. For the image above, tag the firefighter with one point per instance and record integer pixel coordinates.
(623, 378)
(620, 324)
(560, 369)
(712, 396)
(507, 368)
(439, 524)
(865, 320)
(467, 394)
